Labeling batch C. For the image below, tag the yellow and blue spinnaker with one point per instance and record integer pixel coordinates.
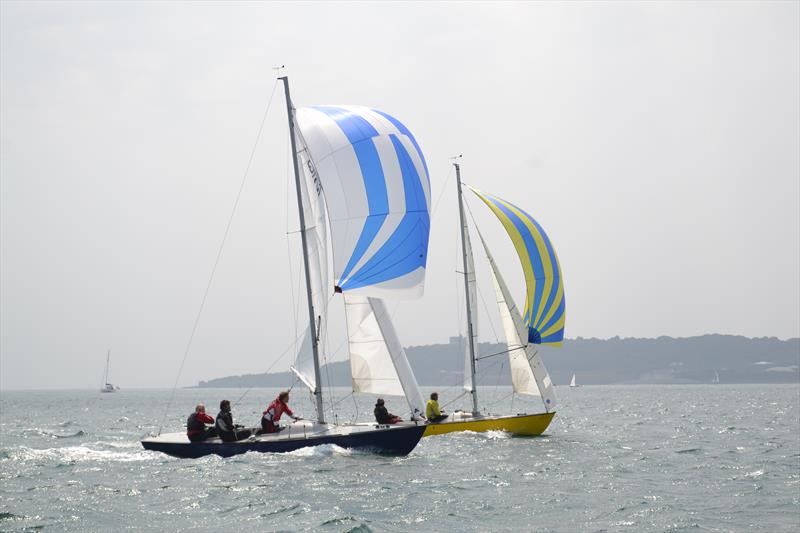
(544, 299)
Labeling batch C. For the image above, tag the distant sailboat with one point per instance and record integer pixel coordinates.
(715, 380)
(108, 387)
(572, 382)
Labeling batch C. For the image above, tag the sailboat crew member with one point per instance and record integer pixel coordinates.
(270, 419)
(226, 429)
(432, 411)
(196, 428)
(383, 416)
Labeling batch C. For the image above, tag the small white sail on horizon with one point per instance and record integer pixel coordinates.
(572, 382)
(108, 387)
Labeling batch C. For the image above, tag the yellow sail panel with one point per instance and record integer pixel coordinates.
(545, 304)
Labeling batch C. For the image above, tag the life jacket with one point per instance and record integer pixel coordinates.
(382, 415)
(432, 409)
(275, 410)
(224, 422)
(193, 425)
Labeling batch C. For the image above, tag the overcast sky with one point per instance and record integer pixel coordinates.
(657, 143)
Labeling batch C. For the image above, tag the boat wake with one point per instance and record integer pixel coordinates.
(71, 455)
(492, 434)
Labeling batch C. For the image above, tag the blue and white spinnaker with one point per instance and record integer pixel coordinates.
(375, 183)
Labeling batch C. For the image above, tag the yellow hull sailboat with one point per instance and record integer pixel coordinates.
(542, 322)
(528, 425)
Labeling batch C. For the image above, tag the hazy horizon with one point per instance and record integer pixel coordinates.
(657, 143)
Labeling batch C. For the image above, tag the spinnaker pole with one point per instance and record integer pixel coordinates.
(311, 315)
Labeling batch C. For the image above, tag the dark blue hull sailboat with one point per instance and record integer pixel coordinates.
(384, 439)
(362, 184)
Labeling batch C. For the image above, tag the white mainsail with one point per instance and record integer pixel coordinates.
(313, 201)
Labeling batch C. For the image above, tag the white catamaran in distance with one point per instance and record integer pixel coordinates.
(572, 382)
(362, 184)
(542, 323)
(108, 387)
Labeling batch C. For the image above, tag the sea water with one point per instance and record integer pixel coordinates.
(616, 458)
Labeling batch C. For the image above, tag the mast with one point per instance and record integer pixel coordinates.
(470, 337)
(108, 358)
(311, 314)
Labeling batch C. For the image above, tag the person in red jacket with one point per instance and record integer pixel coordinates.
(196, 428)
(272, 416)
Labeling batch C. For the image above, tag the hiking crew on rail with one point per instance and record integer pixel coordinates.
(196, 428)
(271, 417)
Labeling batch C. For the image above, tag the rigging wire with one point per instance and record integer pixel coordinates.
(510, 349)
(441, 192)
(219, 254)
(280, 357)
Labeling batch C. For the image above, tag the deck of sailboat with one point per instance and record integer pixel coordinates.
(394, 440)
(520, 424)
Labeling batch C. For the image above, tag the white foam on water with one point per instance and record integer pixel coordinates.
(323, 450)
(74, 454)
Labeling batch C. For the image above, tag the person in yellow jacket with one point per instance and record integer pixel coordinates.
(432, 411)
